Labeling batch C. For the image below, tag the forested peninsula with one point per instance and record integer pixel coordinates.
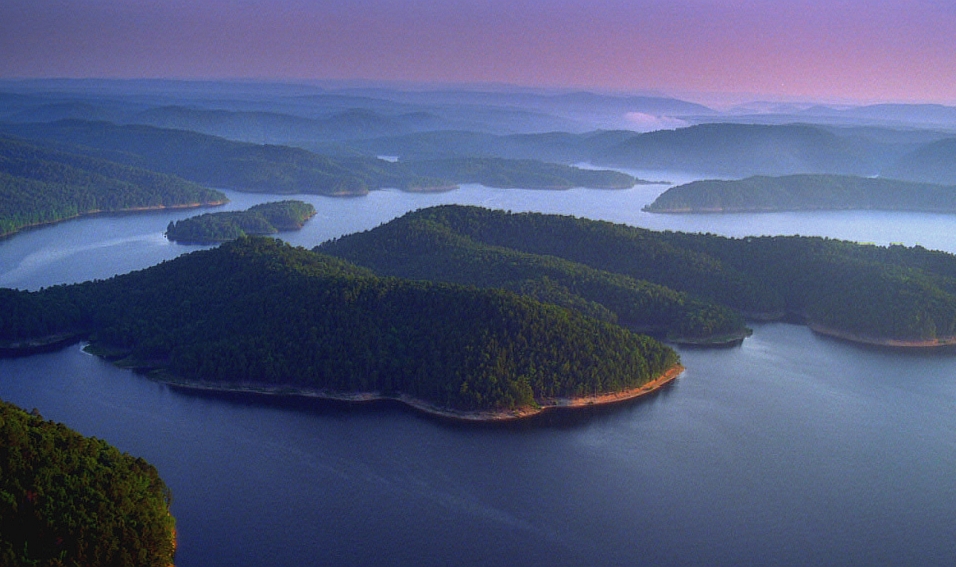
(805, 193)
(258, 314)
(68, 500)
(693, 285)
(264, 219)
(41, 185)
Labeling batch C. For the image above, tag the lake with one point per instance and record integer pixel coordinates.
(792, 449)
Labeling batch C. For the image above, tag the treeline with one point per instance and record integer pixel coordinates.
(69, 501)
(42, 185)
(285, 170)
(875, 292)
(258, 311)
(431, 245)
(805, 192)
(267, 218)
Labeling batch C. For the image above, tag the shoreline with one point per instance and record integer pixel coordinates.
(762, 210)
(127, 211)
(438, 411)
(714, 341)
(873, 341)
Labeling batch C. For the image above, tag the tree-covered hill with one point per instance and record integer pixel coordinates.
(73, 501)
(267, 218)
(431, 246)
(873, 293)
(41, 185)
(934, 162)
(256, 311)
(804, 192)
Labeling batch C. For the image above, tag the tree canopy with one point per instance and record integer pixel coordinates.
(71, 501)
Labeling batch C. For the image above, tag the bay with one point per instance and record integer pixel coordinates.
(792, 449)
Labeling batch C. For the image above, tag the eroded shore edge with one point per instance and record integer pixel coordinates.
(896, 343)
(427, 407)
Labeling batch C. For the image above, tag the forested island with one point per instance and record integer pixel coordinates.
(41, 185)
(257, 314)
(69, 500)
(885, 295)
(805, 193)
(264, 219)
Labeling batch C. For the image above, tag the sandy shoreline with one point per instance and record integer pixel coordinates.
(432, 409)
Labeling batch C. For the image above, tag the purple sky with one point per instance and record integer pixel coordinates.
(874, 50)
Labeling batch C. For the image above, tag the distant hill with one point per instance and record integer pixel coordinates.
(285, 170)
(934, 162)
(223, 163)
(277, 128)
(40, 185)
(804, 193)
(529, 174)
(719, 149)
(559, 147)
(738, 150)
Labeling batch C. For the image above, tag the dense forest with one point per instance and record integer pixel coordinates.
(804, 192)
(874, 293)
(426, 245)
(41, 185)
(257, 311)
(286, 170)
(267, 218)
(71, 501)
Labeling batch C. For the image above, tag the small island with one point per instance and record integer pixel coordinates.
(761, 194)
(66, 499)
(264, 219)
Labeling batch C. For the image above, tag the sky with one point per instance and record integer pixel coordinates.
(828, 50)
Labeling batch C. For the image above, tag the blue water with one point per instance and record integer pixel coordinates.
(792, 449)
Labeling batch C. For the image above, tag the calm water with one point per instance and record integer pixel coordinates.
(789, 450)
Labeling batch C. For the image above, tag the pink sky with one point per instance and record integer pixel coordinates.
(896, 50)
